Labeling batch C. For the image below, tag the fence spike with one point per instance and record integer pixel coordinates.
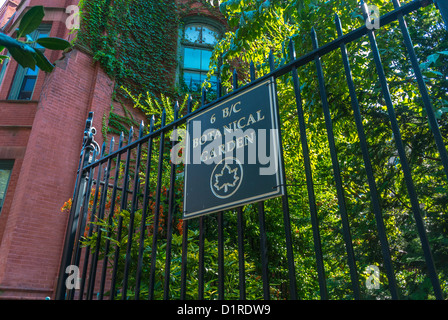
(292, 49)
(365, 12)
(219, 88)
(142, 126)
(314, 35)
(163, 117)
(103, 149)
(120, 143)
(131, 135)
(443, 7)
(176, 110)
(337, 21)
(204, 96)
(111, 146)
(252, 71)
(271, 60)
(151, 123)
(235, 79)
(189, 104)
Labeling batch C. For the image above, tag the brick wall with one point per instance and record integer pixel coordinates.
(44, 138)
(34, 232)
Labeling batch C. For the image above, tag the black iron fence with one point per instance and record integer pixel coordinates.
(126, 238)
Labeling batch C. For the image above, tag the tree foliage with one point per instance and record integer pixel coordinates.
(264, 26)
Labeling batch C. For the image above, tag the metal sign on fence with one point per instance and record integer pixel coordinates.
(233, 152)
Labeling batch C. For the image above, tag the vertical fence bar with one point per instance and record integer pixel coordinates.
(403, 160)
(120, 219)
(335, 162)
(220, 256)
(241, 268)
(94, 262)
(201, 259)
(123, 206)
(155, 231)
(132, 213)
(285, 205)
(201, 235)
(171, 208)
(78, 193)
(263, 251)
(308, 171)
(442, 5)
(141, 248)
(92, 219)
(85, 208)
(262, 226)
(240, 231)
(109, 232)
(183, 275)
(385, 249)
(423, 89)
(220, 219)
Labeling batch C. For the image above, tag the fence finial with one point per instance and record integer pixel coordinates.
(292, 50)
(176, 110)
(151, 123)
(89, 133)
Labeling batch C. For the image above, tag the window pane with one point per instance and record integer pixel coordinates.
(205, 62)
(193, 33)
(24, 95)
(213, 81)
(209, 36)
(193, 80)
(31, 72)
(5, 174)
(28, 83)
(192, 58)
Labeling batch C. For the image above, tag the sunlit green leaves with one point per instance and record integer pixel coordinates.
(260, 28)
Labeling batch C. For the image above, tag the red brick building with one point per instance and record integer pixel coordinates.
(42, 118)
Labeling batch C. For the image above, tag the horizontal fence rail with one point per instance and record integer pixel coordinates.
(126, 238)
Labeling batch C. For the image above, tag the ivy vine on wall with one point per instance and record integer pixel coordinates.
(135, 41)
(136, 44)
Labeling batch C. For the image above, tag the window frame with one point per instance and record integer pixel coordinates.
(186, 44)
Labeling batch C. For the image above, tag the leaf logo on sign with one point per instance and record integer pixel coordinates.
(227, 178)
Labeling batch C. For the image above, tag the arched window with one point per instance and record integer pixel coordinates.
(197, 46)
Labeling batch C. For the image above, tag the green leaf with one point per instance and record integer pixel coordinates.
(24, 58)
(8, 42)
(53, 43)
(31, 20)
(42, 62)
(433, 58)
